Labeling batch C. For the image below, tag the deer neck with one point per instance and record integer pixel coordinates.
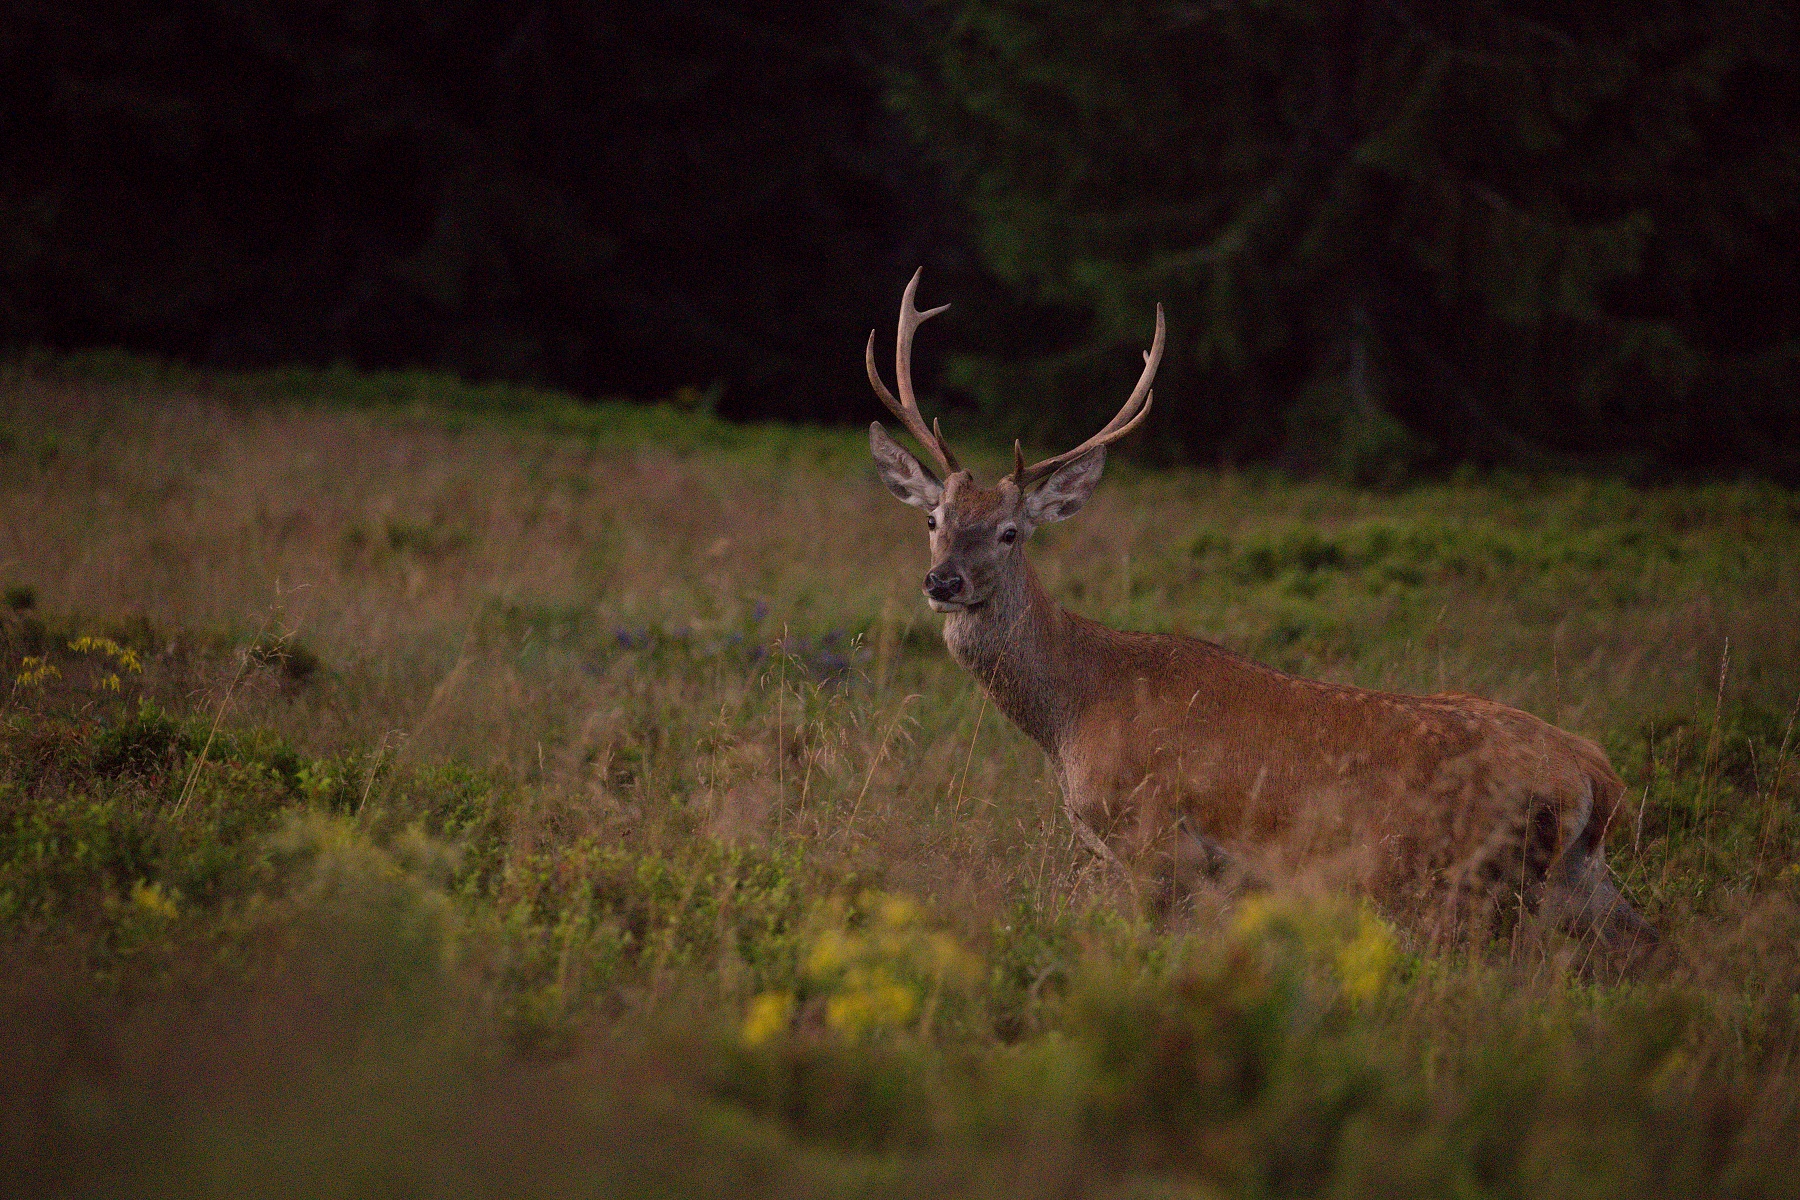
(1021, 646)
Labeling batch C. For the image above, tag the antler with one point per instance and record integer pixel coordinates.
(1128, 418)
(907, 407)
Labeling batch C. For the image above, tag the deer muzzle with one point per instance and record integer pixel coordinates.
(943, 584)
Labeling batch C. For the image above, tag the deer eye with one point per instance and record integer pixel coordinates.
(1009, 535)
(930, 521)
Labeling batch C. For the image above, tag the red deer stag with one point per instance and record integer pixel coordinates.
(1180, 761)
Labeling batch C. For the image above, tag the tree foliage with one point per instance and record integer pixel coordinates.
(633, 196)
(1392, 232)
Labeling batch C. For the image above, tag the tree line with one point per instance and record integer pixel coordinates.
(1392, 235)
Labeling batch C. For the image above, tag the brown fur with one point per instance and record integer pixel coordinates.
(1176, 755)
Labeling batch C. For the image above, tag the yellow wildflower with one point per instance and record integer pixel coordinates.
(1256, 915)
(1363, 962)
(950, 961)
(830, 954)
(897, 912)
(124, 656)
(767, 1018)
(35, 672)
(152, 901)
(871, 999)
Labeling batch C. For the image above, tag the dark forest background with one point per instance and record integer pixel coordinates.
(1392, 235)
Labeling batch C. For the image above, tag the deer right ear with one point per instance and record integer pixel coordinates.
(1067, 489)
(902, 473)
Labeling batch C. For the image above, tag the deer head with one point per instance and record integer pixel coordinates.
(978, 533)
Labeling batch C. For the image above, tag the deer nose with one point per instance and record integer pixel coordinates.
(943, 583)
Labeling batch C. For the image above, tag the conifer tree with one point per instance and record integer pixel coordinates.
(1392, 232)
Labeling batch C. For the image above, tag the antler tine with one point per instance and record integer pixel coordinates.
(1128, 418)
(907, 406)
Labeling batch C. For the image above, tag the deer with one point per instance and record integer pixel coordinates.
(1185, 765)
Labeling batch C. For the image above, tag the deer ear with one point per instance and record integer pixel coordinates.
(1067, 489)
(901, 471)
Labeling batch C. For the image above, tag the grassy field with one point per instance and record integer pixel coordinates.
(413, 789)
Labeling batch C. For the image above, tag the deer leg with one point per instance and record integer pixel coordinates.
(1095, 842)
(1176, 868)
(1188, 866)
(1473, 910)
(1207, 857)
(1209, 861)
(1580, 896)
(1585, 902)
(1555, 868)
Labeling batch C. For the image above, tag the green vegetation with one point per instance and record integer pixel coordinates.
(403, 792)
(1389, 236)
(685, 424)
(1392, 237)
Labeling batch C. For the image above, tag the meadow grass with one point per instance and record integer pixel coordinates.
(410, 788)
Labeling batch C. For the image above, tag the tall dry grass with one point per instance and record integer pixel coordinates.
(588, 615)
(661, 649)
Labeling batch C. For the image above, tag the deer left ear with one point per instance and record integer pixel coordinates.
(901, 471)
(1067, 489)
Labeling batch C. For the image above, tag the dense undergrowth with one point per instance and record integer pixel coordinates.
(386, 810)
